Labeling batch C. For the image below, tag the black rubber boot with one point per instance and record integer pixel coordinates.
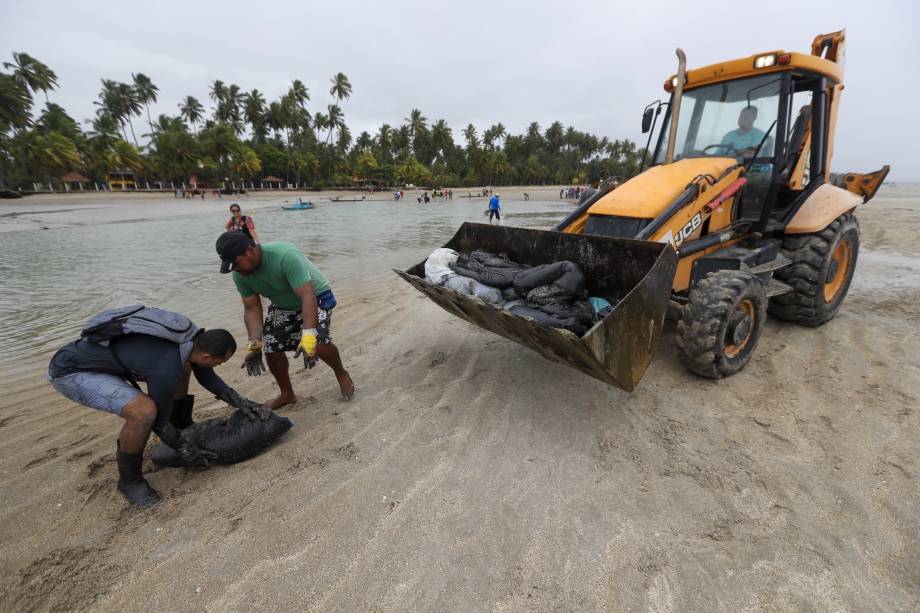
(131, 481)
(181, 415)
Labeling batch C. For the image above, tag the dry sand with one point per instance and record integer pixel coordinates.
(471, 474)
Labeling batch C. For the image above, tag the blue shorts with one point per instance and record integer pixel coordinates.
(96, 390)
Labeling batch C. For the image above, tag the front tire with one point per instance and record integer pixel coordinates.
(820, 274)
(722, 323)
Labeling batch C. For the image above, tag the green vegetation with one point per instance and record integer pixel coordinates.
(246, 137)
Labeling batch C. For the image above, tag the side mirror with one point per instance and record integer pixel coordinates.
(647, 117)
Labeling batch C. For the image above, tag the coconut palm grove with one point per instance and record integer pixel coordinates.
(301, 138)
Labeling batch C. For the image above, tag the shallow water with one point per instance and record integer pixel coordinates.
(53, 280)
(59, 277)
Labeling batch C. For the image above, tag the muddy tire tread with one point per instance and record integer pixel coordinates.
(700, 329)
(809, 254)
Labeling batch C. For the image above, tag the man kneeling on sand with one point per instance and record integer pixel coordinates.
(299, 317)
(101, 370)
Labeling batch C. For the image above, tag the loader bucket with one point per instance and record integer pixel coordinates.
(635, 276)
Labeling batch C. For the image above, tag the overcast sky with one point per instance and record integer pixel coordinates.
(592, 65)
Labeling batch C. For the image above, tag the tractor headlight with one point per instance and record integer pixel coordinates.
(764, 61)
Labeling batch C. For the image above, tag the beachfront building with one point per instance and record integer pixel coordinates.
(121, 180)
(74, 181)
(272, 182)
(366, 184)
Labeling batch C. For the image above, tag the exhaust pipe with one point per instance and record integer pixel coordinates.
(675, 106)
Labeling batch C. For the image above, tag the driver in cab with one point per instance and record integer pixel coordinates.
(745, 140)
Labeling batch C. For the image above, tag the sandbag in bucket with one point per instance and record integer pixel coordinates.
(233, 439)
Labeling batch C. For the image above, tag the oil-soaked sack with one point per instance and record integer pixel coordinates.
(233, 439)
(565, 274)
(472, 287)
(509, 294)
(581, 310)
(493, 270)
(547, 294)
(550, 321)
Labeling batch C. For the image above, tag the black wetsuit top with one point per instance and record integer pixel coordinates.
(153, 360)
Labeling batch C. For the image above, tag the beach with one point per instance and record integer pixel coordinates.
(468, 473)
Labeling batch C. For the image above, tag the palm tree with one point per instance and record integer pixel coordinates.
(247, 163)
(441, 137)
(344, 139)
(341, 87)
(218, 94)
(221, 143)
(472, 141)
(299, 92)
(384, 142)
(105, 131)
(533, 141)
(232, 115)
(110, 104)
(402, 142)
(191, 110)
(274, 118)
(364, 142)
(130, 105)
(417, 124)
(146, 93)
(50, 154)
(498, 130)
(55, 119)
(32, 74)
(254, 112)
(554, 135)
(320, 122)
(15, 103)
(335, 120)
(294, 103)
(124, 155)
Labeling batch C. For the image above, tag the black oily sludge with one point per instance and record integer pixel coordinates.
(234, 438)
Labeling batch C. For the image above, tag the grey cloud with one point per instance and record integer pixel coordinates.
(593, 65)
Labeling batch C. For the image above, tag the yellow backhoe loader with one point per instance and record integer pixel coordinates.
(736, 215)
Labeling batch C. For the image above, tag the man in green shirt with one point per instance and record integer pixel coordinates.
(745, 140)
(299, 317)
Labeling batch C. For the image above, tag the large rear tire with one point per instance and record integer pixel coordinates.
(820, 274)
(722, 323)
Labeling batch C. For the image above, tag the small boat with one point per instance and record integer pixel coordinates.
(340, 199)
(298, 206)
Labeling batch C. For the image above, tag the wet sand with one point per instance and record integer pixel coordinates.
(48, 211)
(471, 474)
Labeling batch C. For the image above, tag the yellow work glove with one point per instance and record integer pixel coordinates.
(252, 361)
(307, 347)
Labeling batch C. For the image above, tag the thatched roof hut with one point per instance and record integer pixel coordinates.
(74, 180)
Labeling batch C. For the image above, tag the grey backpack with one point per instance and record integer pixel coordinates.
(138, 319)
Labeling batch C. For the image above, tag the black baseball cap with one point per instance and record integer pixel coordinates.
(229, 246)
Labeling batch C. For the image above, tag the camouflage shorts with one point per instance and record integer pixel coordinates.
(282, 329)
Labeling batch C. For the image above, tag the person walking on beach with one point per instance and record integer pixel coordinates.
(122, 346)
(242, 223)
(495, 208)
(299, 317)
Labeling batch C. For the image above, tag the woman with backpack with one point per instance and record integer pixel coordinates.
(241, 222)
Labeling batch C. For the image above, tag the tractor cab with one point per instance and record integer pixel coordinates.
(771, 113)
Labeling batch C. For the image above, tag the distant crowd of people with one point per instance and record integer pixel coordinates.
(573, 192)
(441, 194)
(187, 194)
